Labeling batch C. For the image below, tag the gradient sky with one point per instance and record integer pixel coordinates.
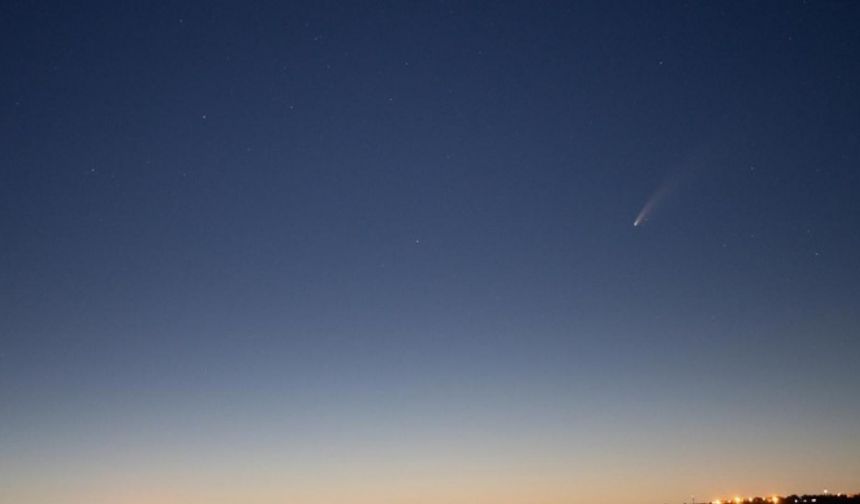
(383, 252)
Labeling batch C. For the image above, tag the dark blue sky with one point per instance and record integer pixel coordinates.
(411, 225)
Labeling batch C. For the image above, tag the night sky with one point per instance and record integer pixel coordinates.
(384, 252)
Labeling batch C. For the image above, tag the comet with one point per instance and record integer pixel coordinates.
(653, 202)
